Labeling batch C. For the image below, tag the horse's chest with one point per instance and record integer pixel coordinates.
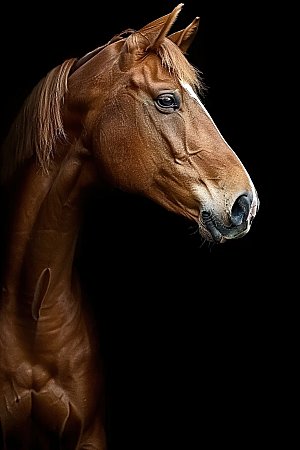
(31, 394)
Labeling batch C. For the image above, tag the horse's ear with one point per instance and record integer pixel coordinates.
(157, 30)
(185, 37)
(147, 38)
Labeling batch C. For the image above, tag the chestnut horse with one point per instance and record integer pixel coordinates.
(127, 115)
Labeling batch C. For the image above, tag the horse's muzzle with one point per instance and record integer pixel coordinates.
(241, 217)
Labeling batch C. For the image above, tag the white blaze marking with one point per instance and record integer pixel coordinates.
(192, 93)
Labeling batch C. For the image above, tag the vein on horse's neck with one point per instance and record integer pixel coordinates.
(45, 228)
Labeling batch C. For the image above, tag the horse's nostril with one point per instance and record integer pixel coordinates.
(240, 209)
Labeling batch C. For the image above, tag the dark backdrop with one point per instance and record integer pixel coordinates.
(190, 333)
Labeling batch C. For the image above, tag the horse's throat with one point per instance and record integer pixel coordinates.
(43, 235)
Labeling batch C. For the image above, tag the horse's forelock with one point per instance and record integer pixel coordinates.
(176, 63)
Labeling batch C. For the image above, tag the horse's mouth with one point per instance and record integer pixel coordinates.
(219, 232)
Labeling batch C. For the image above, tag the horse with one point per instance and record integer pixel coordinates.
(126, 115)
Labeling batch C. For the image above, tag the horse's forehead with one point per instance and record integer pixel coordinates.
(151, 71)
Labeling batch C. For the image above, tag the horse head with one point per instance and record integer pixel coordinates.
(135, 105)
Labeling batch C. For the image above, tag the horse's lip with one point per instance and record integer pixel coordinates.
(221, 232)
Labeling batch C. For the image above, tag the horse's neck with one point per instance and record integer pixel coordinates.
(44, 230)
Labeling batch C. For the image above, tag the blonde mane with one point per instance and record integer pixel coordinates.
(38, 125)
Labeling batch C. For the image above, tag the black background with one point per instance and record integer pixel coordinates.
(193, 336)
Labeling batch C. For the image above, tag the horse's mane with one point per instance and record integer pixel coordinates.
(39, 125)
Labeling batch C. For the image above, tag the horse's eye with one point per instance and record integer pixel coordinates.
(167, 102)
